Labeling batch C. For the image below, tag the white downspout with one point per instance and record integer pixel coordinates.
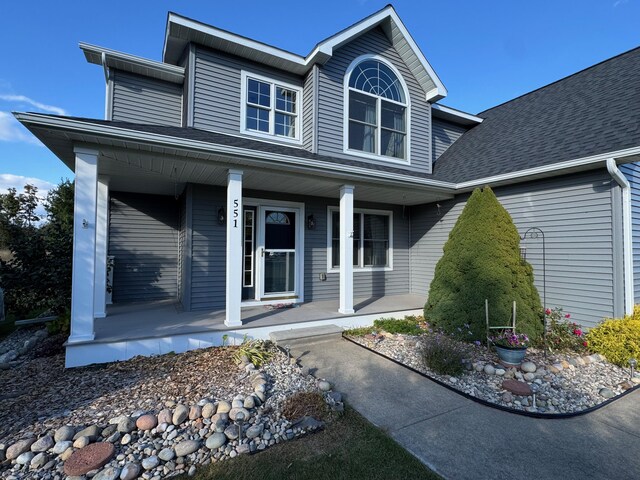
(627, 233)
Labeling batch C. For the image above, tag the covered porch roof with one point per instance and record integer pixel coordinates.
(162, 160)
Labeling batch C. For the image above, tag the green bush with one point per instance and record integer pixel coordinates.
(257, 352)
(60, 325)
(617, 339)
(405, 326)
(443, 354)
(359, 331)
(481, 261)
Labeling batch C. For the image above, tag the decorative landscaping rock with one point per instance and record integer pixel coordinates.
(489, 369)
(180, 414)
(233, 413)
(92, 432)
(606, 393)
(165, 416)
(39, 460)
(255, 431)
(249, 402)
(130, 471)
(61, 446)
(166, 454)
(528, 367)
(81, 442)
(25, 458)
(208, 410)
(18, 448)
(232, 432)
(42, 444)
(91, 457)
(223, 407)
(195, 412)
(126, 425)
(186, 447)
(64, 433)
(516, 387)
(109, 473)
(150, 463)
(147, 422)
(215, 441)
(324, 386)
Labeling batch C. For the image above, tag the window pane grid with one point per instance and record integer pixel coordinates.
(370, 240)
(271, 109)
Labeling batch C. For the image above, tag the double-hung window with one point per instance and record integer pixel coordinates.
(371, 238)
(270, 108)
(377, 111)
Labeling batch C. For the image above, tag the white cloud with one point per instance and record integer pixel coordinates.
(12, 131)
(619, 2)
(8, 180)
(40, 106)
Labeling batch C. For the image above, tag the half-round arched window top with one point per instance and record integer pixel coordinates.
(373, 76)
(376, 110)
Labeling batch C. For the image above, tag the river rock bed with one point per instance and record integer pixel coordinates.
(151, 418)
(562, 383)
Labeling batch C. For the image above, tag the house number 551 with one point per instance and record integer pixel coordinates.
(235, 213)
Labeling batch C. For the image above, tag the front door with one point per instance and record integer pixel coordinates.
(278, 257)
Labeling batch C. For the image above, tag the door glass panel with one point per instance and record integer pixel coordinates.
(279, 252)
(279, 272)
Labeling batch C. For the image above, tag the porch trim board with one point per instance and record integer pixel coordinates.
(234, 248)
(91, 352)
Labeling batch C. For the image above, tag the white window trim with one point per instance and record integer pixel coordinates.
(345, 113)
(271, 135)
(356, 269)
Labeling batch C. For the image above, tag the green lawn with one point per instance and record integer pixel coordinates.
(349, 448)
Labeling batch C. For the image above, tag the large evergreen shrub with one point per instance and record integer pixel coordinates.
(481, 261)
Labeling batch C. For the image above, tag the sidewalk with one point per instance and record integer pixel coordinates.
(461, 439)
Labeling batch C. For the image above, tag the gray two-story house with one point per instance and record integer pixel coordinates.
(235, 188)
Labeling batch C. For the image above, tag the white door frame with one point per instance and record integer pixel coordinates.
(261, 206)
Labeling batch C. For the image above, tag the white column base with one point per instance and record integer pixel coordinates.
(346, 311)
(81, 338)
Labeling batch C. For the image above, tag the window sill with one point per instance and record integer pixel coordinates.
(272, 138)
(379, 158)
(363, 269)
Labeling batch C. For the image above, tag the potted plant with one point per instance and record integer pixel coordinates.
(511, 347)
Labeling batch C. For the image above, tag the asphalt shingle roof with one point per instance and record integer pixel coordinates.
(594, 111)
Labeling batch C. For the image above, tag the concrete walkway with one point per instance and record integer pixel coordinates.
(461, 439)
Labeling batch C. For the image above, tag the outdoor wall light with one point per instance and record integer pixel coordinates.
(311, 222)
(633, 362)
(221, 216)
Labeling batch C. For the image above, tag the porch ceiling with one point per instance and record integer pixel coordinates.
(154, 169)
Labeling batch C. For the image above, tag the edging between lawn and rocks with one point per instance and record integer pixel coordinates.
(527, 413)
(177, 438)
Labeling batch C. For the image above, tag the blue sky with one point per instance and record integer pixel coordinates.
(485, 52)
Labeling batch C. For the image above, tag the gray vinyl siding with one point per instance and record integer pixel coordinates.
(575, 213)
(146, 100)
(209, 244)
(632, 172)
(308, 109)
(217, 89)
(331, 100)
(143, 238)
(208, 249)
(444, 134)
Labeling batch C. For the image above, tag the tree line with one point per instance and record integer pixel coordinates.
(35, 268)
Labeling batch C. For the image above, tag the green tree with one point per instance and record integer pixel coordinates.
(481, 260)
(37, 273)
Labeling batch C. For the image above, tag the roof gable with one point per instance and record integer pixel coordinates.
(181, 30)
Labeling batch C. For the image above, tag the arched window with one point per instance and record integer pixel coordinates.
(377, 110)
(277, 218)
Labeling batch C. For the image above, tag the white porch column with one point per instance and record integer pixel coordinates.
(346, 249)
(234, 248)
(84, 245)
(102, 240)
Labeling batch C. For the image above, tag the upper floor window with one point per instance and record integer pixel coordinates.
(270, 108)
(377, 110)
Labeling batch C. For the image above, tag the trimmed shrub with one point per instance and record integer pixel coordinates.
(617, 339)
(481, 261)
(443, 354)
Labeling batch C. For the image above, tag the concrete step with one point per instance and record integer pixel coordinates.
(280, 337)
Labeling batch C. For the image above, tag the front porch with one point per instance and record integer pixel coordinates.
(162, 327)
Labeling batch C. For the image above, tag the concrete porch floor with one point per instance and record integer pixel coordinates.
(125, 322)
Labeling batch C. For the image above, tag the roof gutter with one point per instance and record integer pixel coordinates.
(618, 176)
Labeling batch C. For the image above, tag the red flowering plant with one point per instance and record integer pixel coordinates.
(510, 339)
(563, 334)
